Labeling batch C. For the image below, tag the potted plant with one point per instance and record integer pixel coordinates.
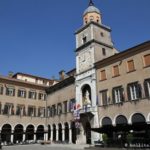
(129, 138)
(105, 139)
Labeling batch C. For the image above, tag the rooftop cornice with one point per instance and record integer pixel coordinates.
(90, 42)
(66, 82)
(17, 82)
(93, 23)
(119, 56)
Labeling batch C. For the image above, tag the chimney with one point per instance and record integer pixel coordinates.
(10, 74)
(62, 75)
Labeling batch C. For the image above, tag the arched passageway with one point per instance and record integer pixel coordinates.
(66, 132)
(40, 132)
(49, 132)
(18, 133)
(54, 132)
(30, 132)
(6, 133)
(59, 132)
(74, 136)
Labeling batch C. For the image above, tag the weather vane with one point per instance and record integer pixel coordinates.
(91, 3)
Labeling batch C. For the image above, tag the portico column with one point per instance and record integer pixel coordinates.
(57, 134)
(12, 136)
(24, 136)
(34, 137)
(51, 135)
(46, 134)
(70, 135)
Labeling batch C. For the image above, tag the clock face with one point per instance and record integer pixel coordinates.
(85, 61)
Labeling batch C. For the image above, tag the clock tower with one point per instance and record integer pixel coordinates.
(93, 43)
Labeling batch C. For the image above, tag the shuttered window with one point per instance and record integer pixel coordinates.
(115, 71)
(130, 65)
(1, 89)
(134, 91)
(118, 94)
(103, 75)
(10, 91)
(147, 88)
(147, 60)
(104, 97)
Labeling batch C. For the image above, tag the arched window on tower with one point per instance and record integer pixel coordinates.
(86, 21)
(91, 18)
(97, 19)
(84, 39)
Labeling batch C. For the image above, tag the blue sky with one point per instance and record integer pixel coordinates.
(37, 36)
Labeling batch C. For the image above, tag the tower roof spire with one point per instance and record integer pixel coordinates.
(91, 3)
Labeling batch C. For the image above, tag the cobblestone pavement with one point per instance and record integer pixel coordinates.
(45, 147)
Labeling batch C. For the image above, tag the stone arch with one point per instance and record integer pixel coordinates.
(60, 132)
(138, 118)
(18, 133)
(130, 118)
(106, 121)
(49, 132)
(121, 120)
(30, 132)
(66, 128)
(54, 132)
(28, 125)
(40, 132)
(6, 133)
(119, 116)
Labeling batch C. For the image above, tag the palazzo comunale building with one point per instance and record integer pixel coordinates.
(106, 94)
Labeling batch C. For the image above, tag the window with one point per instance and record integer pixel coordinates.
(32, 94)
(48, 111)
(91, 18)
(147, 88)
(10, 91)
(72, 103)
(31, 111)
(104, 97)
(42, 96)
(134, 91)
(59, 109)
(118, 94)
(8, 109)
(41, 112)
(103, 75)
(130, 65)
(0, 107)
(115, 71)
(1, 89)
(53, 110)
(85, 20)
(65, 107)
(104, 51)
(102, 34)
(22, 93)
(147, 60)
(20, 110)
(84, 39)
(97, 19)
